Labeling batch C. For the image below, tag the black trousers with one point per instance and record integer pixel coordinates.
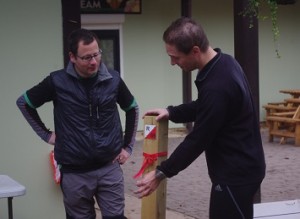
(232, 202)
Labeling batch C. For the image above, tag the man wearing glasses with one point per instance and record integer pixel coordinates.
(88, 140)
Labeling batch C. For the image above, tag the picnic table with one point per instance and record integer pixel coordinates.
(10, 188)
(292, 100)
(295, 93)
(283, 118)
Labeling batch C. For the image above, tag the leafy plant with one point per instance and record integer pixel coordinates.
(252, 11)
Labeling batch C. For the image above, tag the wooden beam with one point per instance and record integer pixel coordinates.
(246, 53)
(246, 48)
(186, 11)
(71, 21)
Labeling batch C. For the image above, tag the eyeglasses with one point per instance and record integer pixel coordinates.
(88, 58)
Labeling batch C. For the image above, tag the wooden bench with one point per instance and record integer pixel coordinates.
(270, 108)
(277, 103)
(277, 108)
(284, 126)
(293, 101)
(284, 114)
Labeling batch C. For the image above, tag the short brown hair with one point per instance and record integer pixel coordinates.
(78, 35)
(184, 33)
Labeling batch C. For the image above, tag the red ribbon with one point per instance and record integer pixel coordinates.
(149, 159)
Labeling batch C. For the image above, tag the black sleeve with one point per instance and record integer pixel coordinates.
(131, 128)
(183, 113)
(33, 118)
(211, 115)
(125, 97)
(129, 105)
(41, 93)
(32, 99)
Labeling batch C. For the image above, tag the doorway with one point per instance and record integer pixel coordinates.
(110, 46)
(108, 28)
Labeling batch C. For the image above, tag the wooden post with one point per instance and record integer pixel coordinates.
(71, 21)
(155, 142)
(186, 11)
(246, 53)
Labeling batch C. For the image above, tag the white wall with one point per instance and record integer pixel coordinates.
(284, 72)
(31, 47)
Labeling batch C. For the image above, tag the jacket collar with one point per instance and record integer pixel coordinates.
(202, 74)
(103, 73)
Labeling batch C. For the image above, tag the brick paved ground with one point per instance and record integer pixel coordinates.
(188, 192)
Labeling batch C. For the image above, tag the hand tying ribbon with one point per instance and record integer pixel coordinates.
(149, 159)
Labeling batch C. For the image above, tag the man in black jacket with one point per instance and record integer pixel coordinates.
(88, 139)
(226, 127)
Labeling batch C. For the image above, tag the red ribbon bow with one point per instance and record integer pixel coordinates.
(149, 159)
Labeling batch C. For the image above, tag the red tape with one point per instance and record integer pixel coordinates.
(55, 167)
(149, 159)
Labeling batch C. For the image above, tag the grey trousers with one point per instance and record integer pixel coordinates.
(106, 185)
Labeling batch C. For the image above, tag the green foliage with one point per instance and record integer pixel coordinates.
(252, 11)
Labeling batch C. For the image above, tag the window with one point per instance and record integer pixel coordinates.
(109, 30)
(110, 46)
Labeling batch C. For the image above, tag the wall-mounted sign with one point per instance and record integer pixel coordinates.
(111, 6)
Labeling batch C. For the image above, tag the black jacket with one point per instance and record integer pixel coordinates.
(226, 126)
(86, 118)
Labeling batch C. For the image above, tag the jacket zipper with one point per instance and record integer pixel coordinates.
(91, 109)
(97, 110)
